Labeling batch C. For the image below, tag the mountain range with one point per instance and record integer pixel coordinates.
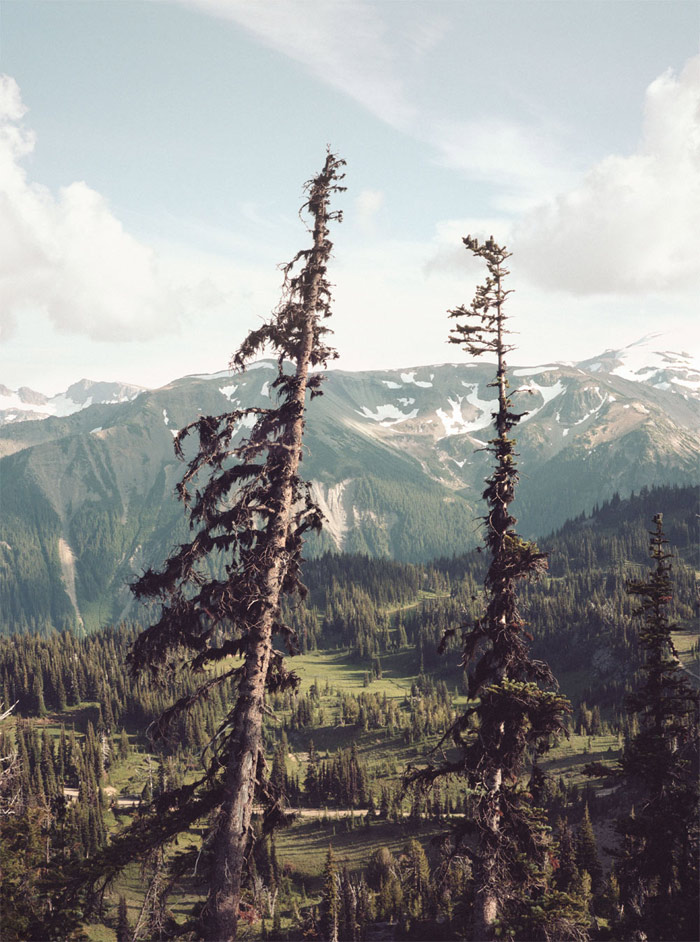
(396, 459)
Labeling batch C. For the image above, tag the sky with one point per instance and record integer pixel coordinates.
(153, 155)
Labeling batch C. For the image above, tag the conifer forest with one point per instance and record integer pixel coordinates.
(288, 740)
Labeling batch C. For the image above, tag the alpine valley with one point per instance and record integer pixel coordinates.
(395, 459)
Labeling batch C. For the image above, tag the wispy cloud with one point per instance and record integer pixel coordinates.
(345, 44)
(367, 204)
(523, 160)
(632, 225)
(370, 55)
(71, 258)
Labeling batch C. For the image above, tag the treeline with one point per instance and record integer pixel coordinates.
(46, 829)
(579, 612)
(49, 675)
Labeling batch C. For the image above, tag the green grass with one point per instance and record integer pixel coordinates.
(76, 717)
(345, 673)
(570, 756)
(423, 596)
(302, 848)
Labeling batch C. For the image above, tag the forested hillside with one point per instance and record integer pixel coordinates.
(579, 612)
(375, 694)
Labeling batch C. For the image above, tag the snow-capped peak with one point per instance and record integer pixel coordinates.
(23, 404)
(649, 360)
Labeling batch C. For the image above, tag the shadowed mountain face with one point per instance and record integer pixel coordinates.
(395, 458)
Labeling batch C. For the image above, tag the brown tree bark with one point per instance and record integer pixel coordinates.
(233, 827)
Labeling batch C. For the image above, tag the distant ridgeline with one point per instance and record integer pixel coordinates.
(579, 613)
(395, 458)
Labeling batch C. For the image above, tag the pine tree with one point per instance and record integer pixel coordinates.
(416, 878)
(348, 930)
(330, 901)
(658, 871)
(249, 512)
(123, 927)
(567, 872)
(514, 702)
(587, 850)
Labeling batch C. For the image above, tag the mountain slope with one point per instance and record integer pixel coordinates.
(395, 458)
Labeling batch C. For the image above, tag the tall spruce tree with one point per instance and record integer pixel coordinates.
(658, 870)
(514, 707)
(331, 902)
(249, 513)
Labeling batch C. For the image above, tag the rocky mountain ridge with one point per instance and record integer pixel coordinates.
(24, 404)
(396, 459)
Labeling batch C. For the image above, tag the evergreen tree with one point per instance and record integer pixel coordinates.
(330, 901)
(658, 871)
(416, 878)
(123, 927)
(567, 872)
(348, 930)
(251, 511)
(514, 702)
(587, 851)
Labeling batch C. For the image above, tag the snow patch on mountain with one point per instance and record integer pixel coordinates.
(247, 421)
(226, 374)
(391, 385)
(454, 422)
(66, 558)
(547, 392)
(26, 404)
(533, 370)
(649, 360)
(222, 374)
(387, 414)
(411, 378)
(228, 391)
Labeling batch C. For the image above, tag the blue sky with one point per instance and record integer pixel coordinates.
(152, 156)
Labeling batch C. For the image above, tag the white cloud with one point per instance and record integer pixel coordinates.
(367, 205)
(68, 256)
(633, 224)
(524, 161)
(447, 253)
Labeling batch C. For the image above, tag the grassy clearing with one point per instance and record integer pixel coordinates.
(570, 756)
(345, 673)
(424, 595)
(302, 848)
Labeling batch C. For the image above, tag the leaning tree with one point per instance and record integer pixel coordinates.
(514, 708)
(249, 511)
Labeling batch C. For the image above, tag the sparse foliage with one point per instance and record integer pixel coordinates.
(514, 706)
(249, 511)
